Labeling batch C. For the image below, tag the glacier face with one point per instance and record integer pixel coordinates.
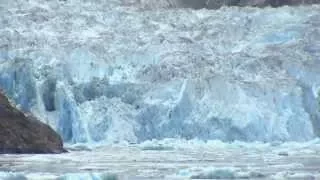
(214, 4)
(107, 72)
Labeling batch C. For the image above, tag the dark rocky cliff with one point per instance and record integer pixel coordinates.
(20, 133)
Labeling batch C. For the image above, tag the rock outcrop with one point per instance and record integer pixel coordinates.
(20, 133)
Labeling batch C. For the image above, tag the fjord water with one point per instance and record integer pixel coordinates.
(171, 159)
(114, 72)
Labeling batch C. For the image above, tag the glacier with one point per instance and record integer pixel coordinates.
(111, 72)
(215, 4)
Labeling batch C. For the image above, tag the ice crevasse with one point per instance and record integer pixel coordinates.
(107, 72)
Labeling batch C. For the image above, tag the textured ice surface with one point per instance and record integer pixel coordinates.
(105, 72)
(183, 160)
(213, 4)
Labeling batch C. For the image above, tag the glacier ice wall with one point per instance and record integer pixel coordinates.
(108, 72)
(214, 4)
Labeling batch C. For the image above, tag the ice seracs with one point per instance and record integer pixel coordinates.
(108, 72)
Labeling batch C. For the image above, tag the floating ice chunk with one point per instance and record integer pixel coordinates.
(12, 176)
(89, 176)
(219, 173)
(295, 176)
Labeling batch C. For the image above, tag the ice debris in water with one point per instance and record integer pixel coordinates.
(68, 176)
(219, 173)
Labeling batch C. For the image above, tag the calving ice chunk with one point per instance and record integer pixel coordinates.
(109, 72)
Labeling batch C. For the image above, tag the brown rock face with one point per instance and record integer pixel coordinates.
(20, 133)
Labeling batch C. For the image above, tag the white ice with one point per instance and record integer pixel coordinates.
(107, 72)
